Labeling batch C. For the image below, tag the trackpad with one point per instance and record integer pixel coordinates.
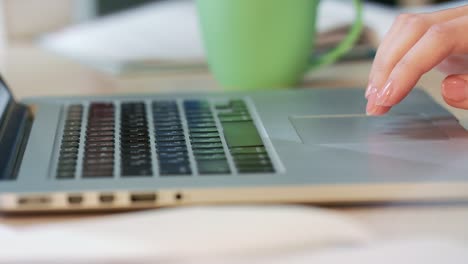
(364, 129)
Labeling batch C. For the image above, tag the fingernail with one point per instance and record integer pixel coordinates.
(455, 89)
(371, 107)
(383, 95)
(371, 89)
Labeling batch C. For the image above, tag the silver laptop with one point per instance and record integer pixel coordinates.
(288, 146)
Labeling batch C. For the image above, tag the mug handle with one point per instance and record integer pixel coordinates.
(345, 45)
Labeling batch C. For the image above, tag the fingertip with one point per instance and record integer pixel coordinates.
(454, 89)
(375, 110)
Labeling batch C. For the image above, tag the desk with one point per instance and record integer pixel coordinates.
(33, 72)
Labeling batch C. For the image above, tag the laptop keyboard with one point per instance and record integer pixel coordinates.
(66, 166)
(161, 138)
(171, 147)
(135, 149)
(99, 142)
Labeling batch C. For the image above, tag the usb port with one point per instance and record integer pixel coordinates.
(33, 200)
(106, 198)
(75, 199)
(142, 197)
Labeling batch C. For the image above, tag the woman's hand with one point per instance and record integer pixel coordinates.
(415, 44)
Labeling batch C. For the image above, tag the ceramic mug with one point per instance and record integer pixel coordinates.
(254, 44)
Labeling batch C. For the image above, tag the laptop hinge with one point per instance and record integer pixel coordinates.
(13, 139)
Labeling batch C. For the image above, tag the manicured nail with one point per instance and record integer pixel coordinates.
(383, 95)
(371, 107)
(371, 89)
(455, 89)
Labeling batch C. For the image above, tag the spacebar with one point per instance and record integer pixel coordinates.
(241, 134)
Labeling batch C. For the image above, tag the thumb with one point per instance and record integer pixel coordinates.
(455, 90)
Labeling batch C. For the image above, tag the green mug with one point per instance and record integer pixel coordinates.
(254, 44)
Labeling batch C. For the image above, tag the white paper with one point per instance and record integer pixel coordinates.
(183, 234)
(408, 251)
(170, 31)
(228, 235)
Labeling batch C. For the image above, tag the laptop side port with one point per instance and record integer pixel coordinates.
(106, 198)
(75, 199)
(143, 197)
(33, 200)
(178, 196)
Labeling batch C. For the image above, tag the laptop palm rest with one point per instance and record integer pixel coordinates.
(336, 129)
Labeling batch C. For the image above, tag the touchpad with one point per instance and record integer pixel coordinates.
(362, 129)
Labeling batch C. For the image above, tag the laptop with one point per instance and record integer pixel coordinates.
(278, 146)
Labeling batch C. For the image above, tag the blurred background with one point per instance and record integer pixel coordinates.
(26, 19)
(157, 36)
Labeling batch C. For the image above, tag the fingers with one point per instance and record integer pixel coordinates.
(397, 42)
(405, 32)
(454, 64)
(373, 109)
(455, 91)
(438, 42)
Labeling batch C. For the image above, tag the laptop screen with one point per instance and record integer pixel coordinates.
(5, 98)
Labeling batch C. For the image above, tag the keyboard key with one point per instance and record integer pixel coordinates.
(241, 134)
(65, 174)
(100, 139)
(171, 143)
(70, 161)
(172, 155)
(248, 150)
(202, 125)
(213, 167)
(178, 132)
(258, 162)
(171, 169)
(99, 149)
(68, 149)
(255, 169)
(250, 156)
(170, 138)
(204, 135)
(68, 144)
(100, 155)
(99, 167)
(101, 128)
(168, 128)
(203, 129)
(158, 124)
(69, 155)
(72, 128)
(100, 134)
(179, 160)
(211, 157)
(66, 167)
(136, 163)
(100, 144)
(202, 151)
(72, 123)
(160, 149)
(144, 171)
(239, 118)
(71, 133)
(200, 120)
(206, 145)
(98, 174)
(89, 161)
(171, 118)
(206, 140)
(204, 114)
